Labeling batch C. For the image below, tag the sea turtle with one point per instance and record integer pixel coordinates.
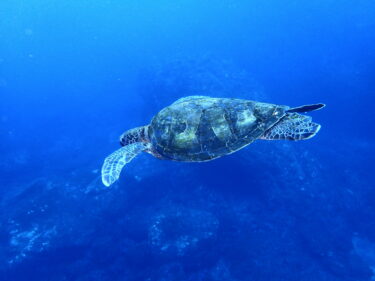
(200, 128)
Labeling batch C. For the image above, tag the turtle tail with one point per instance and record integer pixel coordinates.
(293, 126)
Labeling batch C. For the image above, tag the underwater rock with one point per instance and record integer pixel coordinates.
(177, 231)
(34, 240)
(255, 216)
(365, 249)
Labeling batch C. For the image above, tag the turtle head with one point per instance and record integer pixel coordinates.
(139, 134)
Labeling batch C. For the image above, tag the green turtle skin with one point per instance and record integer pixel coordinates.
(196, 129)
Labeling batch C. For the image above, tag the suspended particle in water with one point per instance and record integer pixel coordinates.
(28, 32)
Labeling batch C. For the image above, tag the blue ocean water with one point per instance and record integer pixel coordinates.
(74, 75)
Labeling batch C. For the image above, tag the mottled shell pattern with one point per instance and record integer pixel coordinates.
(201, 128)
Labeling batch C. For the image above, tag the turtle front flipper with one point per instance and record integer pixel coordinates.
(293, 126)
(114, 163)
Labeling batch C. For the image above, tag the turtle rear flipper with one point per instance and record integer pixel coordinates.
(292, 127)
(307, 108)
(114, 163)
